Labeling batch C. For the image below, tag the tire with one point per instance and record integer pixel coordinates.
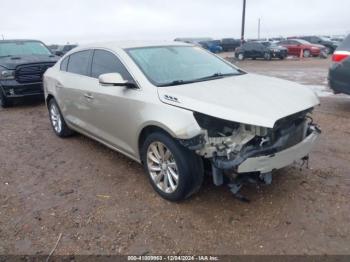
(324, 55)
(176, 176)
(267, 56)
(58, 123)
(240, 56)
(4, 102)
(306, 53)
(328, 50)
(282, 57)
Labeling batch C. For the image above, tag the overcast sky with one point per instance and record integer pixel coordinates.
(84, 21)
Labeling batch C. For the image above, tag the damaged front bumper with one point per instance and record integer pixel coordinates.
(264, 159)
(237, 148)
(268, 163)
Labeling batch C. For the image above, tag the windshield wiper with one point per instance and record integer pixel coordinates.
(2, 56)
(213, 76)
(176, 83)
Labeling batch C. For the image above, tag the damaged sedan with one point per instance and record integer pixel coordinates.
(181, 112)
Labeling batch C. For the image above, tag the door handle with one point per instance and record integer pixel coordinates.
(88, 96)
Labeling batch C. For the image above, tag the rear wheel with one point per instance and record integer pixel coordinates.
(57, 121)
(307, 53)
(4, 101)
(174, 171)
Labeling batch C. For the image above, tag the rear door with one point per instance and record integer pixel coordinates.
(73, 88)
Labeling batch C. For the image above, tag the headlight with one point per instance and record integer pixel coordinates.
(6, 74)
(215, 126)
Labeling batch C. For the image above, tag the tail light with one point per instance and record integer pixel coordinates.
(339, 56)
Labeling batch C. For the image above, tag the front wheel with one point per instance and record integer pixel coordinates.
(240, 57)
(267, 56)
(57, 121)
(174, 171)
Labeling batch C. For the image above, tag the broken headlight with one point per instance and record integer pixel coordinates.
(216, 127)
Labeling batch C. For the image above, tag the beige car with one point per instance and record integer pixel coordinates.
(180, 110)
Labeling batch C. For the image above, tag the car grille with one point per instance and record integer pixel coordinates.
(31, 73)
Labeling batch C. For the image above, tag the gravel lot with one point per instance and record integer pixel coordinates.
(102, 202)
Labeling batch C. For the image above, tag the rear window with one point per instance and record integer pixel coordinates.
(79, 63)
(345, 45)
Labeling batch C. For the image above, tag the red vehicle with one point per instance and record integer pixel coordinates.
(296, 46)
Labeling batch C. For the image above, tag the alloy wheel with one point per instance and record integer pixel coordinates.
(327, 50)
(55, 118)
(162, 167)
(307, 53)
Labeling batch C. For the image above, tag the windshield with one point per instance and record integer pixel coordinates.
(325, 38)
(23, 48)
(172, 65)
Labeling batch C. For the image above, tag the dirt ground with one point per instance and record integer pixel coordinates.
(102, 202)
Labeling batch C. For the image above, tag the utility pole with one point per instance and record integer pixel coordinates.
(243, 22)
(259, 28)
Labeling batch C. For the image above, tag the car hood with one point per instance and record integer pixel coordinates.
(12, 62)
(248, 98)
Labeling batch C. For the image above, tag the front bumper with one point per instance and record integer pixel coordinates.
(279, 54)
(267, 163)
(13, 89)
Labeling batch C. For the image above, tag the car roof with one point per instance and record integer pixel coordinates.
(132, 44)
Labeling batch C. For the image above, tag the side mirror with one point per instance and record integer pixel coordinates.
(58, 53)
(114, 79)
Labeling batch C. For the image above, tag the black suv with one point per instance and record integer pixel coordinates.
(230, 44)
(330, 45)
(266, 50)
(339, 72)
(22, 65)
